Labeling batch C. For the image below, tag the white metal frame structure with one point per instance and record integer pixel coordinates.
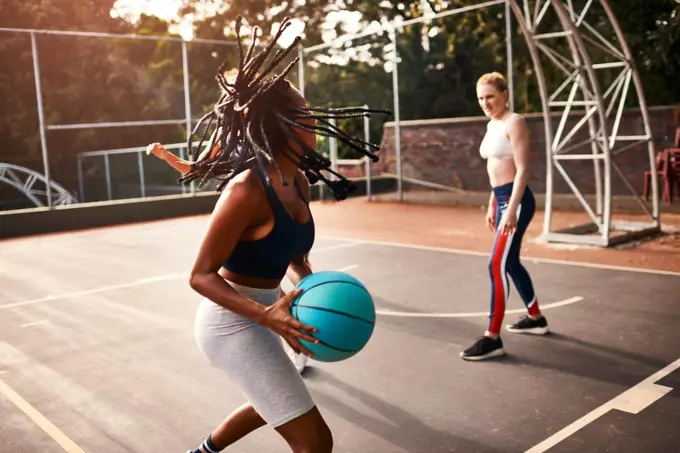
(34, 185)
(187, 120)
(601, 110)
(600, 105)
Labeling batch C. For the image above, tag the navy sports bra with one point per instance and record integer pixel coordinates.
(270, 256)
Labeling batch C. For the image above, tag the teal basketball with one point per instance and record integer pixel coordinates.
(342, 310)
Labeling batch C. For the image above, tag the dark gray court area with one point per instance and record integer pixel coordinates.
(97, 353)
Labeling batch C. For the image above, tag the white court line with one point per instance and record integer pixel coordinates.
(524, 257)
(403, 314)
(334, 247)
(347, 268)
(32, 413)
(633, 401)
(142, 281)
(36, 323)
(87, 292)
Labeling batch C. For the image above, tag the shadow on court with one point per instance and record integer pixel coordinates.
(398, 427)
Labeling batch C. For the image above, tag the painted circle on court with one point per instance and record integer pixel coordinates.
(403, 314)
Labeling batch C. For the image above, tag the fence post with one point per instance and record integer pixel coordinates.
(187, 104)
(397, 130)
(367, 139)
(41, 118)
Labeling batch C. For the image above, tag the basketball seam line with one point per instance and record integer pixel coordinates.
(336, 312)
(336, 281)
(336, 348)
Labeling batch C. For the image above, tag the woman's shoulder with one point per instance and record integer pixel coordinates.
(514, 116)
(515, 120)
(244, 188)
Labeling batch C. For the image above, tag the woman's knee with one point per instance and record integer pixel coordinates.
(320, 442)
(495, 264)
(308, 433)
(513, 265)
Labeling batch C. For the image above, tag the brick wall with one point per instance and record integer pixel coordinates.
(446, 151)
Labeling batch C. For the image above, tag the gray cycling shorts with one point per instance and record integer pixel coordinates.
(253, 357)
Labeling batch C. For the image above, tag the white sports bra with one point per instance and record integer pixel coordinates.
(496, 142)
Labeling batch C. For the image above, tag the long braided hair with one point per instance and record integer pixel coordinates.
(256, 117)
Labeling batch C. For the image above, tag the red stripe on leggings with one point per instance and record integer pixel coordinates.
(497, 272)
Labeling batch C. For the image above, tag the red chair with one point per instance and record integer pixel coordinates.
(668, 168)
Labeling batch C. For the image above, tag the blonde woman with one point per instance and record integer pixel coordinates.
(506, 148)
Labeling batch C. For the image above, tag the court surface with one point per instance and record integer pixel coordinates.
(97, 353)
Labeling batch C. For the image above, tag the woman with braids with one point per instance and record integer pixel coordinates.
(183, 166)
(262, 154)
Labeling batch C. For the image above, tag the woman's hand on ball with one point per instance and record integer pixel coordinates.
(277, 317)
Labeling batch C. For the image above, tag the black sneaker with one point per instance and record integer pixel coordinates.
(484, 348)
(527, 325)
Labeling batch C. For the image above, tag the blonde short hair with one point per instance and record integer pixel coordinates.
(494, 78)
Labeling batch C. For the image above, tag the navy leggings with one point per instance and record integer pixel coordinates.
(505, 258)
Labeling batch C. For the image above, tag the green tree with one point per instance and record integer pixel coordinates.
(652, 30)
(84, 80)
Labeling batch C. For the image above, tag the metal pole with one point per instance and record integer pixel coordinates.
(70, 127)
(333, 150)
(183, 157)
(301, 68)
(81, 184)
(397, 130)
(140, 165)
(597, 171)
(508, 50)
(119, 36)
(351, 36)
(41, 119)
(367, 139)
(187, 101)
(107, 169)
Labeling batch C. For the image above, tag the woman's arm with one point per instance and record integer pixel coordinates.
(518, 134)
(492, 201)
(519, 138)
(299, 267)
(491, 213)
(233, 212)
(181, 165)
